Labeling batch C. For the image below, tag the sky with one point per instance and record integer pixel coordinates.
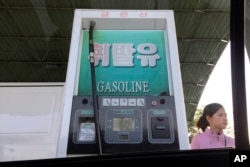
(219, 87)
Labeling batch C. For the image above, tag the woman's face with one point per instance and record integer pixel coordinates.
(218, 121)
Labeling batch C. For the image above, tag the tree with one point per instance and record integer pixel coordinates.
(192, 129)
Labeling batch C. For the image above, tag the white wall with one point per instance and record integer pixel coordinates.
(30, 117)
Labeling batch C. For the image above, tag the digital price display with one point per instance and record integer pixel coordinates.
(123, 124)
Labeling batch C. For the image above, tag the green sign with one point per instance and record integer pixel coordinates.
(127, 62)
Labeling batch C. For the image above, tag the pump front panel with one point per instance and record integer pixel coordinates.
(127, 124)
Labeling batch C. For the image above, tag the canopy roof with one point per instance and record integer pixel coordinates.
(35, 38)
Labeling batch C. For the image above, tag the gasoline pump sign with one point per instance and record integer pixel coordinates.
(127, 63)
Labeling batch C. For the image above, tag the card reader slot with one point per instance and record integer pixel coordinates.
(86, 131)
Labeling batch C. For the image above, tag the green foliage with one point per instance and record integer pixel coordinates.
(192, 129)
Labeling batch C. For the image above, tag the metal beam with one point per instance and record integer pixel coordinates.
(238, 74)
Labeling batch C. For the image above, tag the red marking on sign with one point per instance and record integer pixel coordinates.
(124, 14)
(143, 14)
(105, 14)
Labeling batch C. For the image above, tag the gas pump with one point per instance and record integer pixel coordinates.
(124, 92)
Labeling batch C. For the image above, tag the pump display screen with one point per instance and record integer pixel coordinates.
(123, 124)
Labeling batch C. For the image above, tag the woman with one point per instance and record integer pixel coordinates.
(212, 123)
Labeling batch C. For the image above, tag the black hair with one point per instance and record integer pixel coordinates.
(208, 110)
